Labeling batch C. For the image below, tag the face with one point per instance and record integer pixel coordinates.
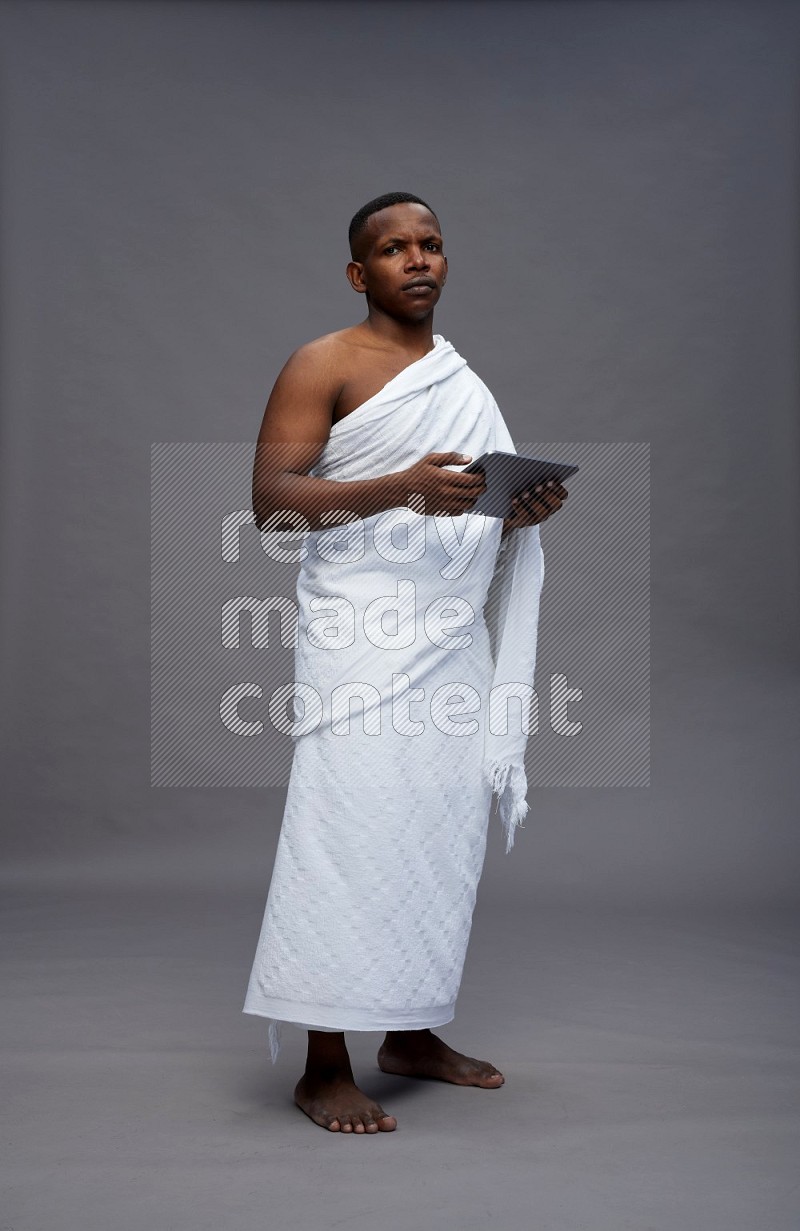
(402, 267)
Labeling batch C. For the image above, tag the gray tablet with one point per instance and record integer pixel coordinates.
(509, 474)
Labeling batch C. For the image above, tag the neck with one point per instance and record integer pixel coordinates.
(411, 336)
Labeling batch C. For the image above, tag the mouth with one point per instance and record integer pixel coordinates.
(420, 286)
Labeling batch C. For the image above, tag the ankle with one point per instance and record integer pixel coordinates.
(407, 1038)
(328, 1071)
(327, 1056)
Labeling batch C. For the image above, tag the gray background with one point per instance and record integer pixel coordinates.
(618, 189)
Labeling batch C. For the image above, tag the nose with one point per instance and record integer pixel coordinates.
(417, 258)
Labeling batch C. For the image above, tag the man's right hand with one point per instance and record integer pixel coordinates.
(436, 492)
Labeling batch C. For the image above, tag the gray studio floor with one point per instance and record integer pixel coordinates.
(633, 970)
(650, 1062)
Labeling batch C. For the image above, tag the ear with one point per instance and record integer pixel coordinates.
(444, 279)
(355, 276)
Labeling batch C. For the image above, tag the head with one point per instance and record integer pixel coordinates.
(397, 254)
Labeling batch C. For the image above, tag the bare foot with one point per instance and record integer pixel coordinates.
(333, 1100)
(418, 1053)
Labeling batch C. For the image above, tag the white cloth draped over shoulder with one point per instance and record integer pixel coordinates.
(414, 667)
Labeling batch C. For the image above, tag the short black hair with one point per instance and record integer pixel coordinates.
(359, 220)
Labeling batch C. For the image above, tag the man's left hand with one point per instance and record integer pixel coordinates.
(531, 507)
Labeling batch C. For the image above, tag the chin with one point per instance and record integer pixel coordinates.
(423, 311)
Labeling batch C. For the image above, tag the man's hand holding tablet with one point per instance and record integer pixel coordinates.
(529, 508)
(522, 490)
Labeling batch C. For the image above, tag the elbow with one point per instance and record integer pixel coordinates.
(260, 510)
(267, 509)
(275, 504)
(264, 500)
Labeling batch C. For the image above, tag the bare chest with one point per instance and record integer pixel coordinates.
(366, 379)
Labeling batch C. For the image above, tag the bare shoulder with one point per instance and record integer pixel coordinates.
(327, 359)
(308, 388)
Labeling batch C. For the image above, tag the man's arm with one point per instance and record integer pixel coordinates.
(295, 429)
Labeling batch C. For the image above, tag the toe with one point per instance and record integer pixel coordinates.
(387, 1124)
(346, 1125)
(334, 1125)
(358, 1125)
(371, 1126)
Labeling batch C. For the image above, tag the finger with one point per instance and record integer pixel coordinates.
(448, 459)
(547, 496)
(520, 516)
(552, 501)
(462, 497)
(470, 490)
(533, 503)
(530, 511)
(468, 478)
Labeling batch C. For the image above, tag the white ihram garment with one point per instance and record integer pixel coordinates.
(384, 832)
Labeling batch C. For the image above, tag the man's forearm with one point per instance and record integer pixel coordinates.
(300, 495)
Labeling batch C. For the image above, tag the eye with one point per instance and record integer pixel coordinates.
(432, 244)
(388, 251)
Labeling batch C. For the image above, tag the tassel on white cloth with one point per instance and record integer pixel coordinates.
(510, 784)
(512, 617)
(274, 1035)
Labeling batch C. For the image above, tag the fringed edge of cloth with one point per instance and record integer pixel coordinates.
(509, 783)
(274, 1036)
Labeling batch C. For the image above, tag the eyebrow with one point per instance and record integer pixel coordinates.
(398, 239)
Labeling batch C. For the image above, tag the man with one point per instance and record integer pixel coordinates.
(372, 892)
